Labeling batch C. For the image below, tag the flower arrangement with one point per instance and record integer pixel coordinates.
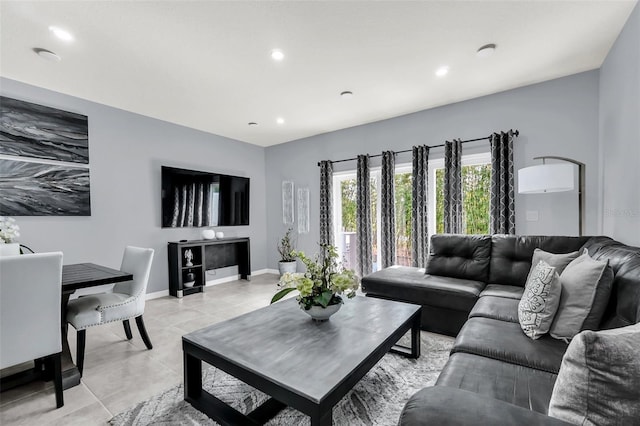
(323, 282)
(9, 230)
(285, 248)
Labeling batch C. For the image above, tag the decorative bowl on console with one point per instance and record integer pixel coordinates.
(208, 234)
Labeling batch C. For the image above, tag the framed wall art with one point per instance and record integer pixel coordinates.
(44, 161)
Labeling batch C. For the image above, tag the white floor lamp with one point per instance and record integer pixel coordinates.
(556, 177)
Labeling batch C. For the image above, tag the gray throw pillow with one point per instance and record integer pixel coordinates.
(586, 287)
(558, 261)
(540, 300)
(599, 379)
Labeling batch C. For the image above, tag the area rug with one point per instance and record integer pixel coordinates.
(377, 399)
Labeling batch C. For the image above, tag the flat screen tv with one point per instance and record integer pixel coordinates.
(193, 198)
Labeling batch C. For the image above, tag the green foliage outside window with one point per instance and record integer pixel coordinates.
(476, 190)
(476, 186)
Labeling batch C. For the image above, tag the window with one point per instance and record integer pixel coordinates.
(476, 186)
(344, 206)
(476, 194)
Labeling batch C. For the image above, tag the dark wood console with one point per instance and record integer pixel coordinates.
(185, 278)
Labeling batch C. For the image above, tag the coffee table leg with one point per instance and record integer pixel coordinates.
(415, 337)
(192, 376)
(323, 419)
(414, 350)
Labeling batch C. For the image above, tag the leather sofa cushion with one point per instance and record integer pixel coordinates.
(500, 290)
(500, 308)
(624, 302)
(511, 255)
(445, 406)
(522, 386)
(409, 284)
(505, 341)
(460, 256)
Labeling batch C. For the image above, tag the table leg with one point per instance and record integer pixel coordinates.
(414, 350)
(415, 337)
(323, 419)
(192, 377)
(70, 373)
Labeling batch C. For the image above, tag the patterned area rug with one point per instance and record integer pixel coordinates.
(377, 399)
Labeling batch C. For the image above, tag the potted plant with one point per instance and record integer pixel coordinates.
(9, 231)
(321, 286)
(287, 261)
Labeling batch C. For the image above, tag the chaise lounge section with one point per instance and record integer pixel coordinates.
(472, 286)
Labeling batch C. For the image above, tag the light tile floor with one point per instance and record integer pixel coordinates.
(119, 373)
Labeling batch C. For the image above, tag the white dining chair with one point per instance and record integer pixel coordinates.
(12, 249)
(30, 317)
(125, 302)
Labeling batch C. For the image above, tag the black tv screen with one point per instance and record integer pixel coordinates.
(193, 198)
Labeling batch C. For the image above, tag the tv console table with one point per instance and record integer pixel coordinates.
(206, 255)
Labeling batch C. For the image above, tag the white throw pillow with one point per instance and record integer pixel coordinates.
(540, 300)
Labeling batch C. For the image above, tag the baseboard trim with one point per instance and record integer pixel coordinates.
(266, 271)
(163, 293)
(156, 294)
(237, 277)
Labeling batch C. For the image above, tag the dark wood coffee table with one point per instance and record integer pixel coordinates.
(306, 365)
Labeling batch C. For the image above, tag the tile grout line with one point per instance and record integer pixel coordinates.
(96, 397)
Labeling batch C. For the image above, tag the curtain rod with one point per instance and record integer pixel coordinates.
(515, 133)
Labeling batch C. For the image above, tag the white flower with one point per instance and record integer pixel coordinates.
(9, 229)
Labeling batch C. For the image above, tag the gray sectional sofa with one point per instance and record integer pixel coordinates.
(471, 289)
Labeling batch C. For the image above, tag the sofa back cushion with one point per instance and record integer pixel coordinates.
(511, 255)
(624, 302)
(460, 256)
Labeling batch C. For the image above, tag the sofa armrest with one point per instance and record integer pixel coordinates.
(442, 405)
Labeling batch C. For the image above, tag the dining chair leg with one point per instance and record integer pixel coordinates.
(57, 379)
(143, 332)
(127, 329)
(82, 335)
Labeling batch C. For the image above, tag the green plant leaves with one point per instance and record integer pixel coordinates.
(279, 295)
(323, 298)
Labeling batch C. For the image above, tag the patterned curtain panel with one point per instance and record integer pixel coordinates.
(192, 205)
(388, 209)
(326, 201)
(420, 207)
(502, 206)
(453, 187)
(363, 218)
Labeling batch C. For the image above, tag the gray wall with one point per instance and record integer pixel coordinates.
(558, 117)
(620, 135)
(126, 151)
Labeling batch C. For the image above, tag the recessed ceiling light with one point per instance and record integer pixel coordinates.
(277, 55)
(486, 50)
(253, 123)
(442, 71)
(280, 120)
(47, 54)
(346, 94)
(60, 33)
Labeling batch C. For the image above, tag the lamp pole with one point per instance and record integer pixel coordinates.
(581, 179)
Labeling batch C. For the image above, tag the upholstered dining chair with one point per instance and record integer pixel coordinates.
(30, 317)
(125, 302)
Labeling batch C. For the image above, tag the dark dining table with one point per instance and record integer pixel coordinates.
(74, 277)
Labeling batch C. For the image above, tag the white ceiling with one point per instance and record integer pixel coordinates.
(207, 64)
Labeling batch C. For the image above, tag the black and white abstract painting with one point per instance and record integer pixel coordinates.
(36, 131)
(43, 189)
